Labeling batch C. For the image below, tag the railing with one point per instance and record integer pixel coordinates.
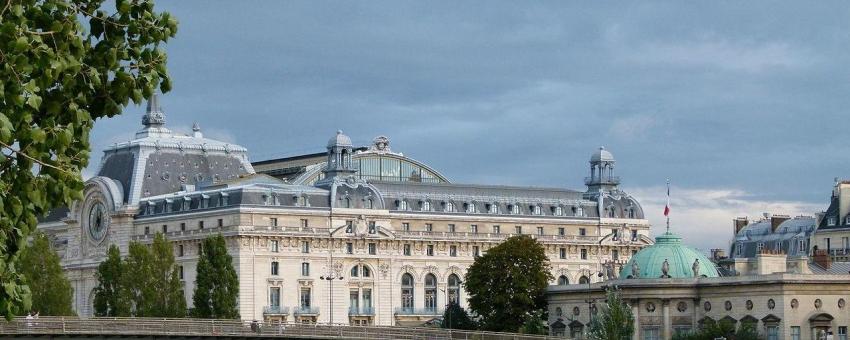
(181, 328)
(418, 311)
(602, 180)
(275, 310)
(839, 252)
(305, 310)
(361, 311)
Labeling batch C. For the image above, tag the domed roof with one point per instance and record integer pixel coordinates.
(339, 140)
(601, 155)
(680, 259)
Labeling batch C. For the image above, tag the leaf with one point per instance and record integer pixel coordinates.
(34, 101)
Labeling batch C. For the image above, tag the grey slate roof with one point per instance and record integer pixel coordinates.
(786, 237)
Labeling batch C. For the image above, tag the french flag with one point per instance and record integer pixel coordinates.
(667, 206)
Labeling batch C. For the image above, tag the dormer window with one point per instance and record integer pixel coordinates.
(559, 211)
(450, 207)
(346, 202)
(738, 248)
(632, 213)
(470, 208)
(187, 202)
(426, 206)
(535, 209)
(847, 220)
(493, 208)
(205, 201)
(266, 199)
(169, 203)
(402, 204)
(225, 199)
(611, 212)
(831, 221)
(370, 204)
(514, 209)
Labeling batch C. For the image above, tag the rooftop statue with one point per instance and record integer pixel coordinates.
(695, 268)
(635, 270)
(665, 268)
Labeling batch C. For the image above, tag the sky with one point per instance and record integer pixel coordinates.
(742, 105)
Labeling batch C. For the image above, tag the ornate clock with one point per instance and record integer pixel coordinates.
(97, 222)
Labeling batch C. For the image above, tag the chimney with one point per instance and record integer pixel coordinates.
(821, 259)
(740, 223)
(776, 220)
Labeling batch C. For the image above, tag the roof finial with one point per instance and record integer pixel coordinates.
(196, 130)
(154, 115)
(667, 207)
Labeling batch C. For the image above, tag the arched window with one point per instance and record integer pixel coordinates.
(355, 272)
(470, 208)
(559, 211)
(360, 270)
(563, 280)
(366, 272)
(493, 208)
(426, 206)
(430, 292)
(450, 207)
(402, 205)
(515, 209)
(559, 312)
(407, 291)
(611, 211)
(535, 209)
(370, 204)
(583, 280)
(346, 202)
(632, 213)
(454, 289)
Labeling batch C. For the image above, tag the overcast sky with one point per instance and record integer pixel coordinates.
(743, 105)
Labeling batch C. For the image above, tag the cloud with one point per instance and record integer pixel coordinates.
(723, 54)
(703, 217)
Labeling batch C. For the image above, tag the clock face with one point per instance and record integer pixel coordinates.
(97, 222)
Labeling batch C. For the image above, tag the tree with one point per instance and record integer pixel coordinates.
(535, 323)
(170, 300)
(716, 330)
(455, 317)
(614, 321)
(137, 280)
(109, 295)
(63, 64)
(509, 281)
(216, 285)
(51, 292)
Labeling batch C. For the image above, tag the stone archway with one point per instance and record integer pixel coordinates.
(821, 325)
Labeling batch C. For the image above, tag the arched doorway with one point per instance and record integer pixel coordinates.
(821, 325)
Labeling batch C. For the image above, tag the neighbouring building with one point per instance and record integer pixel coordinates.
(357, 235)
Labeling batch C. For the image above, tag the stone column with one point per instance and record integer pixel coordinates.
(665, 326)
(636, 314)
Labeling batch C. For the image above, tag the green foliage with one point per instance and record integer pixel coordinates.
(535, 323)
(109, 293)
(51, 292)
(56, 78)
(147, 283)
(714, 330)
(509, 281)
(614, 320)
(216, 285)
(455, 317)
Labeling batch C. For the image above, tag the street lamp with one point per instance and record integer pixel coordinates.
(330, 278)
(449, 303)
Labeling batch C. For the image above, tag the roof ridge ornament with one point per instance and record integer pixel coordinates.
(154, 116)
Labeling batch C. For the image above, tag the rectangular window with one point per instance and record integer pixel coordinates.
(518, 229)
(651, 333)
(305, 269)
(274, 269)
(430, 250)
(429, 227)
(273, 246)
(367, 298)
(183, 226)
(305, 247)
(451, 228)
(562, 253)
(759, 247)
(147, 230)
(406, 250)
(540, 231)
(181, 272)
(304, 223)
(616, 234)
(452, 251)
(405, 226)
(354, 299)
(795, 332)
(164, 228)
(201, 225)
(615, 255)
(842, 333)
(496, 229)
(475, 251)
(583, 254)
(349, 248)
(274, 296)
(474, 228)
(220, 223)
(305, 297)
(562, 231)
(372, 227)
(634, 235)
(373, 249)
(179, 250)
(273, 221)
(582, 232)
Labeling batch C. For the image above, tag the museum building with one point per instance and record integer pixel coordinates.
(354, 235)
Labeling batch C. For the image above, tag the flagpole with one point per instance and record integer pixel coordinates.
(668, 206)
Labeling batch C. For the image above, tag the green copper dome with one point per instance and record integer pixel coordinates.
(680, 260)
